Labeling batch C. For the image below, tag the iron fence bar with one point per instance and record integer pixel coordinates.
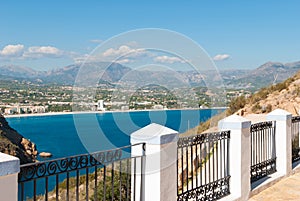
(62, 170)
(67, 164)
(120, 182)
(143, 171)
(217, 151)
(96, 184)
(192, 168)
(208, 155)
(201, 166)
(67, 196)
(134, 183)
(104, 183)
(77, 185)
(197, 162)
(263, 156)
(34, 189)
(182, 172)
(112, 180)
(208, 161)
(177, 170)
(46, 184)
(87, 184)
(56, 190)
(228, 167)
(127, 180)
(295, 138)
(224, 148)
(187, 167)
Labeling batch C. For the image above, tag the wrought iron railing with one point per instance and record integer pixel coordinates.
(203, 166)
(263, 154)
(295, 138)
(105, 175)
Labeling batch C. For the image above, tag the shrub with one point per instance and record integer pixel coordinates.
(268, 108)
(256, 108)
(236, 104)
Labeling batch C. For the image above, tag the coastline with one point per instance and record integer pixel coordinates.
(98, 112)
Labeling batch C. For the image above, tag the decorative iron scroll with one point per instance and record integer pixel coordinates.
(57, 166)
(295, 119)
(262, 125)
(202, 138)
(263, 169)
(211, 191)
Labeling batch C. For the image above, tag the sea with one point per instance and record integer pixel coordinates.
(66, 135)
(73, 134)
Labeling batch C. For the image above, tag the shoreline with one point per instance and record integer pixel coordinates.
(99, 112)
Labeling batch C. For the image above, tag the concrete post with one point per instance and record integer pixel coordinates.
(9, 169)
(283, 140)
(160, 171)
(239, 155)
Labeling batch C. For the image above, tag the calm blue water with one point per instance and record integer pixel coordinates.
(57, 134)
(62, 135)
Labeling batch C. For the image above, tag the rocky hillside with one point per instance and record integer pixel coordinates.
(266, 74)
(284, 95)
(11, 142)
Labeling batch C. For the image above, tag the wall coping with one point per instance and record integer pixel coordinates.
(154, 134)
(9, 164)
(234, 122)
(279, 115)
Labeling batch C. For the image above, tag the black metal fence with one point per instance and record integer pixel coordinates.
(263, 154)
(295, 138)
(105, 175)
(203, 166)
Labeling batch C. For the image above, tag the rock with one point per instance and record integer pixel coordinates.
(28, 152)
(13, 143)
(45, 154)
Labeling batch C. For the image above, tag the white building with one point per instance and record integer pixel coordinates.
(100, 105)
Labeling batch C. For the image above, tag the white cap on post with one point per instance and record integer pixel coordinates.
(161, 155)
(9, 169)
(239, 156)
(283, 140)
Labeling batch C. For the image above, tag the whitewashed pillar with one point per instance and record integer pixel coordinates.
(283, 140)
(160, 171)
(9, 169)
(239, 155)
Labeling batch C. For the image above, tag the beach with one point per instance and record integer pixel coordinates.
(99, 112)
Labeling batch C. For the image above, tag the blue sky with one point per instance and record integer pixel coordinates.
(238, 34)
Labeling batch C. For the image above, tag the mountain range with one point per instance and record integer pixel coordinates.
(264, 75)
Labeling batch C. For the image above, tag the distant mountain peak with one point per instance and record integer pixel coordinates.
(271, 64)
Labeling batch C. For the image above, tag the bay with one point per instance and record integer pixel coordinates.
(59, 134)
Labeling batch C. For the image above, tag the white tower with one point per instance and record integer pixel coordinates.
(100, 105)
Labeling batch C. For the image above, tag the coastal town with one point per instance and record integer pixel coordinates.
(29, 98)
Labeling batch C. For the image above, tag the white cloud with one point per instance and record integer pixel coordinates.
(123, 50)
(221, 57)
(43, 51)
(167, 59)
(12, 50)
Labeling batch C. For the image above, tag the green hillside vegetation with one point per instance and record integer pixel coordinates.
(239, 103)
